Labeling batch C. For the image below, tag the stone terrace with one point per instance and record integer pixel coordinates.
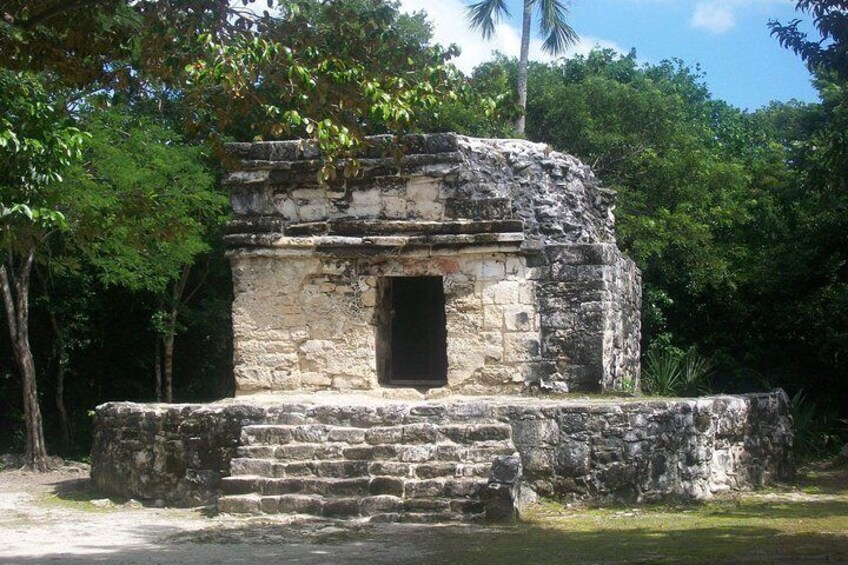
(463, 458)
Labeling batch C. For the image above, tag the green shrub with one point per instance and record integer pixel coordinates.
(818, 432)
(669, 371)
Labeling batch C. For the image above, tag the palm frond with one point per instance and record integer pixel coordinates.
(553, 26)
(485, 14)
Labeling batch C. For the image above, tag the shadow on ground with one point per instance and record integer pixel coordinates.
(807, 524)
(458, 545)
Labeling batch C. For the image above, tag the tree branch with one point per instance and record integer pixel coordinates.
(199, 283)
(9, 303)
(51, 12)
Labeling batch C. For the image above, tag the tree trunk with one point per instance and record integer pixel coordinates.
(64, 421)
(171, 330)
(168, 348)
(157, 369)
(16, 303)
(522, 67)
(60, 354)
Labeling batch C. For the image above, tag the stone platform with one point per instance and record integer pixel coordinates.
(462, 458)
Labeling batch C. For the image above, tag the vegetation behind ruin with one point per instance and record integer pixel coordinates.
(736, 218)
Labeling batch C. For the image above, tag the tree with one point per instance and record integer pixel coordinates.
(144, 208)
(694, 177)
(829, 53)
(37, 144)
(232, 66)
(813, 317)
(552, 25)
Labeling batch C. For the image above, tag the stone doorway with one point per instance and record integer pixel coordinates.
(412, 332)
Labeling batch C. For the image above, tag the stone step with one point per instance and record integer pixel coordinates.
(411, 434)
(376, 416)
(479, 452)
(379, 508)
(358, 487)
(342, 468)
(387, 465)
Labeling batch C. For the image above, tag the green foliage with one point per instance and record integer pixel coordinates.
(827, 53)
(551, 14)
(37, 144)
(486, 106)
(282, 73)
(293, 78)
(817, 428)
(649, 133)
(736, 219)
(143, 203)
(669, 371)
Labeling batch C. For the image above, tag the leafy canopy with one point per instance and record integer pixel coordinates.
(37, 144)
(327, 71)
(142, 202)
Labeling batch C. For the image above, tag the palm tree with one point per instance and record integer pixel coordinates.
(553, 28)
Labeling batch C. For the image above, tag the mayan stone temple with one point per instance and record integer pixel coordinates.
(469, 266)
(415, 343)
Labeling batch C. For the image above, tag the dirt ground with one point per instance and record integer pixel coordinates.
(55, 518)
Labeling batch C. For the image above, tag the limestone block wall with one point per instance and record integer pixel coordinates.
(310, 323)
(590, 302)
(537, 294)
(173, 454)
(628, 451)
(439, 177)
(654, 450)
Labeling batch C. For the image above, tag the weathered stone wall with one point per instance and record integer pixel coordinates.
(439, 177)
(654, 450)
(589, 304)
(310, 323)
(538, 297)
(637, 450)
(169, 454)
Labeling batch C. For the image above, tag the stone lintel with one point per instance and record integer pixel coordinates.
(328, 242)
(379, 149)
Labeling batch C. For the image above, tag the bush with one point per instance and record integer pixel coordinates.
(818, 432)
(669, 371)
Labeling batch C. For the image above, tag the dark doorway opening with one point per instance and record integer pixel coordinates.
(412, 335)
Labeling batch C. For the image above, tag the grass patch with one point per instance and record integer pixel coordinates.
(52, 500)
(77, 495)
(785, 526)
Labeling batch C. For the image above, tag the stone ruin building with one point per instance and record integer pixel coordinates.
(403, 343)
(465, 266)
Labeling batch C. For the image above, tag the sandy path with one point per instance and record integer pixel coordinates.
(49, 519)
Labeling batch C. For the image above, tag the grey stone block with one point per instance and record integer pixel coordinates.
(247, 504)
(341, 507)
(506, 469)
(499, 503)
(387, 485)
(419, 433)
(424, 488)
(426, 505)
(300, 504)
(381, 504)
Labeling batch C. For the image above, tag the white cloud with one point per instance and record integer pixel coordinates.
(451, 26)
(717, 17)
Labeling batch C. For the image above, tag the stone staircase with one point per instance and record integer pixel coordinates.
(403, 472)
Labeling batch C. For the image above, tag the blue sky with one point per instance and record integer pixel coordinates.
(743, 64)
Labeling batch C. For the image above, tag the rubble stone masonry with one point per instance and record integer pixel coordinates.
(537, 295)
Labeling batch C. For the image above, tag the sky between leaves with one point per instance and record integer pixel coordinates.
(729, 39)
